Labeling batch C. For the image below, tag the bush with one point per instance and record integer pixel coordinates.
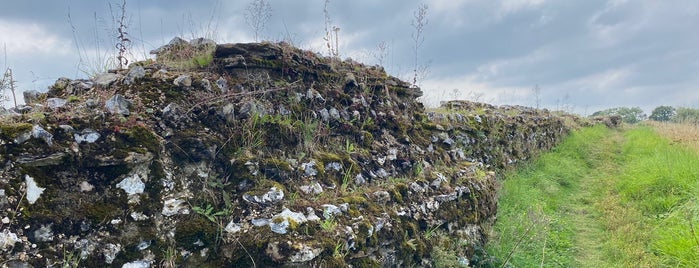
(628, 115)
(662, 113)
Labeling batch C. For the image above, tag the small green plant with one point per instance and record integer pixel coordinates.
(346, 178)
(430, 232)
(411, 244)
(418, 168)
(339, 251)
(71, 259)
(73, 98)
(203, 60)
(209, 212)
(328, 224)
(169, 257)
(349, 147)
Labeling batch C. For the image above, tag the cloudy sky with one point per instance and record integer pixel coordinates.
(583, 55)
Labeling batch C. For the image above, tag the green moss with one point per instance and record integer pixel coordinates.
(101, 211)
(396, 195)
(398, 191)
(326, 157)
(358, 204)
(203, 60)
(367, 138)
(9, 132)
(402, 188)
(365, 262)
(141, 136)
(260, 62)
(192, 229)
(276, 163)
(73, 98)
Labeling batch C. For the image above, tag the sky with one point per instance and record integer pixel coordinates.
(580, 56)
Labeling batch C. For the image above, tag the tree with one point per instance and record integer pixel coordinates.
(662, 113)
(686, 115)
(257, 14)
(628, 115)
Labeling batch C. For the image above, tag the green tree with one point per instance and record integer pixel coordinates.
(628, 115)
(686, 115)
(662, 113)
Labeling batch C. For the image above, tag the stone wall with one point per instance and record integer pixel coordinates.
(267, 155)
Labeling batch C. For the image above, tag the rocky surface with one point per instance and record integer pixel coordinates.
(265, 156)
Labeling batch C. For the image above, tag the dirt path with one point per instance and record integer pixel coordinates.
(589, 203)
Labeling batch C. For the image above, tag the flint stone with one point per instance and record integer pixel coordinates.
(33, 190)
(324, 115)
(202, 42)
(251, 108)
(206, 84)
(222, 84)
(311, 189)
(308, 169)
(44, 234)
(39, 133)
(330, 211)
(228, 112)
(183, 81)
(175, 42)
(174, 206)
(274, 195)
(60, 84)
(117, 104)
(105, 79)
(350, 80)
(311, 214)
(280, 226)
(259, 222)
(30, 96)
(305, 254)
(137, 72)
(171, 111)
(334, 113)
(8, 239)
(110, 252)
(132, 185)
(233, 227)
(382, 196)
(92, 103)
(87, 136)
(359, 179)
(136, 264)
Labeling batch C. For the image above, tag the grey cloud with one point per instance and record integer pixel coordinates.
(566, 47)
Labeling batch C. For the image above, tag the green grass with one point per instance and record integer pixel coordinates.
(661, 181)
(602, 198)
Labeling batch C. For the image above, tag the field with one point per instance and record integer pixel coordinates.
(603, 198)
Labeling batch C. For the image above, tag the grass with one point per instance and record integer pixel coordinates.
(660, 181)
(602, 198)
(683, 134)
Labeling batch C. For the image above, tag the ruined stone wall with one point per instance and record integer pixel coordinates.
(267, 155)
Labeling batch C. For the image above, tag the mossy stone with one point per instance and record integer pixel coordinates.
(192, 229)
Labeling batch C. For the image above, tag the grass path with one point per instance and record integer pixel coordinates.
(603, 198)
